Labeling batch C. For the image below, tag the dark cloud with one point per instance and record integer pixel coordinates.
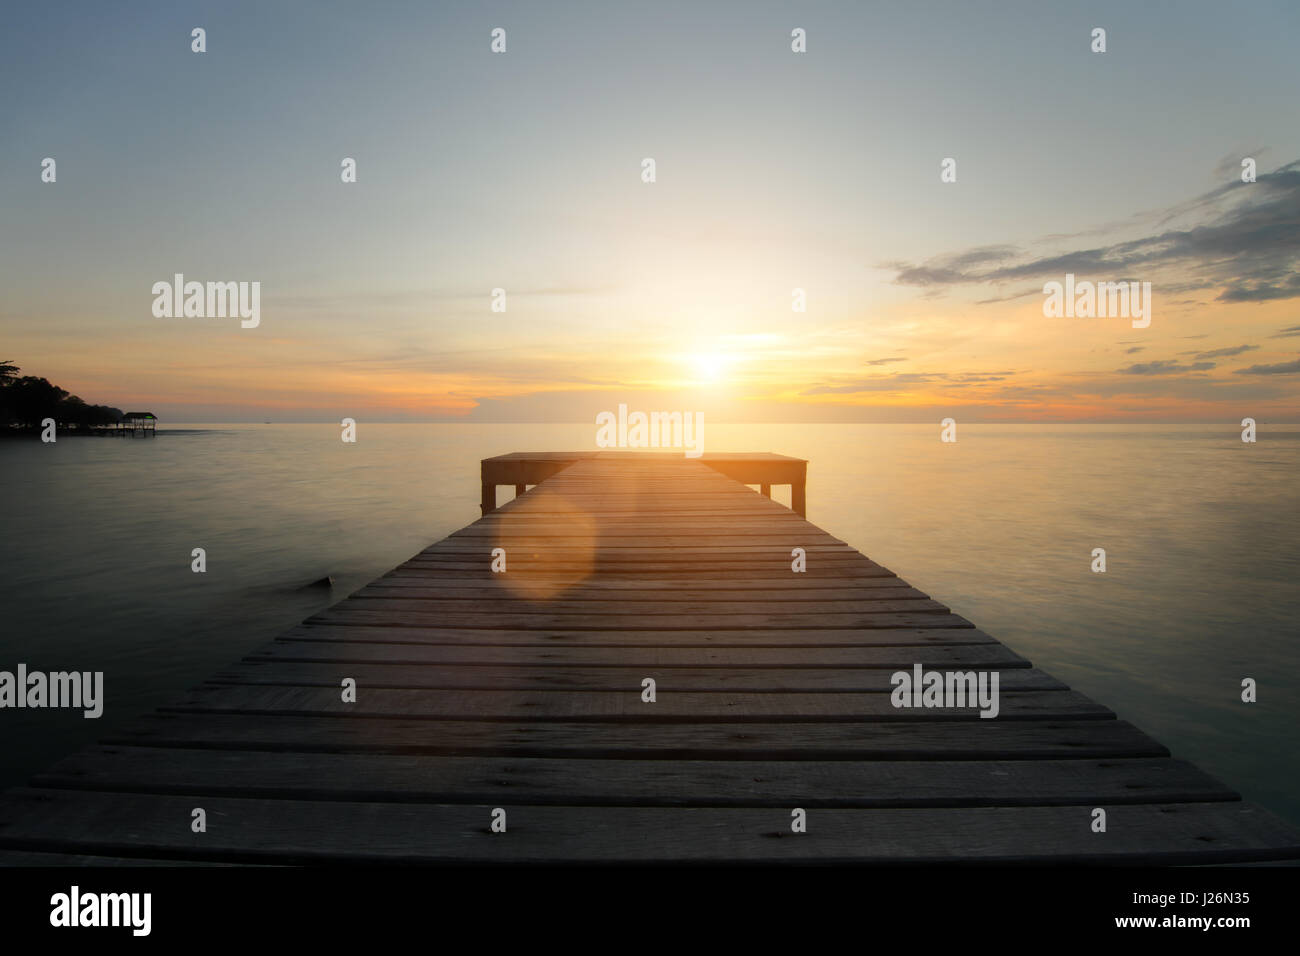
(1246, 241)
(945, 270)
(903, 380)
(1283, 368)
(1285, 333)
(1230, 165)
(885, 361)
(1006, 298)
(1224, 353)
(1262, 290)
(1165, 367)
(1136, 348)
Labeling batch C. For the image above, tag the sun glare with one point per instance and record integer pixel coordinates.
(708, 366)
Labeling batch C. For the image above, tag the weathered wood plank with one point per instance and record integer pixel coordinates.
(317, 831)
(891, 598)
(960, 657)
(772, 544)
(572, 573)
(614, 611)
(634, 528)
(527, 568)
(633, 504)
(627, 588)
(578, 677)
(686, 554)
(695, 528)
(551, 561)
(640, 783)
(773, 637)
(410, 616)
(588, 705)
(985, 740)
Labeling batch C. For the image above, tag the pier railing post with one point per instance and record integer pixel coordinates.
(799, 491)
(520, 469)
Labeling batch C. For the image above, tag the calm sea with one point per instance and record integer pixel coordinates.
(1201, 531)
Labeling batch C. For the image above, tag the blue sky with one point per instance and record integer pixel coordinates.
(775, 170)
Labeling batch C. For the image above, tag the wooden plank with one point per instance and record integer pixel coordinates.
(686, 783)
(779, 544)
(575, 525)
(902, 740)
(552, 637)
(960, 657)
(318, 831)
(602, 589)
(575, 512)
(614, 611)
(544, 502)
(466, 550)
(550, 561)
(773, 545)
(609, 679)
(409, 615)
(525, 565)
(672, 600)
(666, 490)
(484, 581)
(549, 576)
(588, 705)
(593, 560)
(541, 574)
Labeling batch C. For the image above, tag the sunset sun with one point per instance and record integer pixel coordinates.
(708, 367)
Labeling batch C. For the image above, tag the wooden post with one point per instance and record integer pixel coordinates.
(798, 497)
(766, 489)
(489, 503)
(520, 489)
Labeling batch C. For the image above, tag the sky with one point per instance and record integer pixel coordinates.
(774, 170)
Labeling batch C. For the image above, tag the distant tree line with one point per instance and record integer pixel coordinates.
(26, 400)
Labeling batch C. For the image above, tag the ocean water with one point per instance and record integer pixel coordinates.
(1201, 531)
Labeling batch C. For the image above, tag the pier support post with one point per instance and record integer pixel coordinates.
(489, 502)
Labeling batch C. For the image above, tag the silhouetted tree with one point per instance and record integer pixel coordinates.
(25, 401)
(29, 399)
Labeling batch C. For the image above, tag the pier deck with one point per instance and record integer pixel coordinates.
(523, 690)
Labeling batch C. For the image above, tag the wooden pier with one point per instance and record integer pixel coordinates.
(523, 470)
(523, 692)
(137, 424)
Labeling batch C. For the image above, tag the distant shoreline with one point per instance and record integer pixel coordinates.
(15, 434)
